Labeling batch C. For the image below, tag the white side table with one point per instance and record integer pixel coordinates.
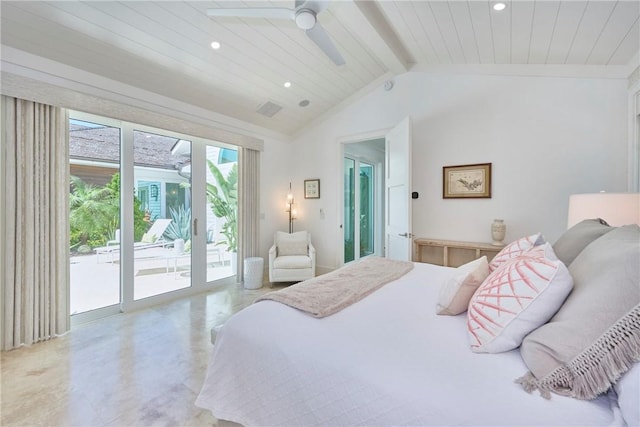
(253, 271)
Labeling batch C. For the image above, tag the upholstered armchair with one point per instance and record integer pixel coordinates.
(292, 258)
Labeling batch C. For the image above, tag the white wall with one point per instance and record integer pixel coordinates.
(275, 166)
(546, 137)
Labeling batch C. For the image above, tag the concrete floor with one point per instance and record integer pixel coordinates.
(136, 369)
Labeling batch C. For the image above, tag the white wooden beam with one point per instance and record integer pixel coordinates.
(367, 22)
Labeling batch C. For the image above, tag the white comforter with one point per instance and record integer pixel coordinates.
(386, 360)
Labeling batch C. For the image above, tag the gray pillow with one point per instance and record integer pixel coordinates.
(595, 336)
(575, 239)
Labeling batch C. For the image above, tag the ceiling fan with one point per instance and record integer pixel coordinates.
(304, 15)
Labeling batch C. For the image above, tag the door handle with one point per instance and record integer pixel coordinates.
(407, 235)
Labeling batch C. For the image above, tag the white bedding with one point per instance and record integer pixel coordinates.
(386, 360)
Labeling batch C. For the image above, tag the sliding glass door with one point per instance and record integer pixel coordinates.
(94, 214)
(161, 214)
(146, 221)
(222, 211)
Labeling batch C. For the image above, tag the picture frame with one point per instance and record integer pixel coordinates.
(466, 181)
(311, 188)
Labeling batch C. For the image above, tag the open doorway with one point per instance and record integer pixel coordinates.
(363, 202)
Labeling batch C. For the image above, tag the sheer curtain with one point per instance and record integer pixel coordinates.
(248, 206)
(35, 296)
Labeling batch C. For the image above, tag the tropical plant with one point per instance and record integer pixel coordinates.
(91, 208)
(140, 225)
(223, 199)
(180, 227)
(94, 213)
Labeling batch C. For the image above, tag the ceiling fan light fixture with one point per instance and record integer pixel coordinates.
(305, 19)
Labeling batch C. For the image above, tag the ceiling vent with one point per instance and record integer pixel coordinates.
(269, 109)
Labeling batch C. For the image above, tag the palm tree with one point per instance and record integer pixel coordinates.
(90, 208)
(223, 199)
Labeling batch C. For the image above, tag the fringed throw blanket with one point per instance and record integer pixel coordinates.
(327, 294)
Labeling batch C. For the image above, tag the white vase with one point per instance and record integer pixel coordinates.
(498, 232)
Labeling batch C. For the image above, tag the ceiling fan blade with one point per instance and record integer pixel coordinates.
(254, 12)
(320, 37)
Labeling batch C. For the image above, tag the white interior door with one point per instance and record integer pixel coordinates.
(397, 183)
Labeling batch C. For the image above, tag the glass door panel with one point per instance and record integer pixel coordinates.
(366, 211)
(161, 214)
(222, 211)
(349, 209)
(359, 209)
(94, 215)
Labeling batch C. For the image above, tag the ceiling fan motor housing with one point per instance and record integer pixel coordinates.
(305, 19)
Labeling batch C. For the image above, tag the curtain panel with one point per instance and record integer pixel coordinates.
(35, 291)
(248, 206)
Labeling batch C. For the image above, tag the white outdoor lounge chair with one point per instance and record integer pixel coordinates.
(151, 239)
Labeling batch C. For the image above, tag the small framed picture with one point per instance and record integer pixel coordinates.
(311, 188)
(466, 181)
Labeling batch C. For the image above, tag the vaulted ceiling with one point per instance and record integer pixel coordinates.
(164, 46)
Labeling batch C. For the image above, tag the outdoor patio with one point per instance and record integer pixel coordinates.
(95, 281)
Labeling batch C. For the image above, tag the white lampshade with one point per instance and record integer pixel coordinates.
(615, 208)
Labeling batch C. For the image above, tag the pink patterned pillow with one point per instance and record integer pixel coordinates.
(518, 297)
(515, 249)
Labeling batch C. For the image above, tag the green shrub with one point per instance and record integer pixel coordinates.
(94, 213)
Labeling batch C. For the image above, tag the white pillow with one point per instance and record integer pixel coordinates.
(628, 390)
(515, 249)
(459, 288)
(292, 248)
(291, 243)
(518, 297)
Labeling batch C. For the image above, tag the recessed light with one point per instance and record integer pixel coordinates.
(287, 84)
(304, 103)
(215, 45)
(499, 6)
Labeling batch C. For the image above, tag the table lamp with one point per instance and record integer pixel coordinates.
(615, 208)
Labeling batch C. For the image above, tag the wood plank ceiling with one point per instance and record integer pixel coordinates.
(164, 46)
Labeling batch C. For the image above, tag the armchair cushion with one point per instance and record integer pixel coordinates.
(292, 243)
(292, 248)
(292, 262)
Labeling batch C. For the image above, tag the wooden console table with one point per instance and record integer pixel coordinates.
(451, 253)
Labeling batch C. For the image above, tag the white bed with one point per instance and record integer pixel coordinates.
(386, 360)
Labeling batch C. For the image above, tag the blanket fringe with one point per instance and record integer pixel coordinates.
(595, 369)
